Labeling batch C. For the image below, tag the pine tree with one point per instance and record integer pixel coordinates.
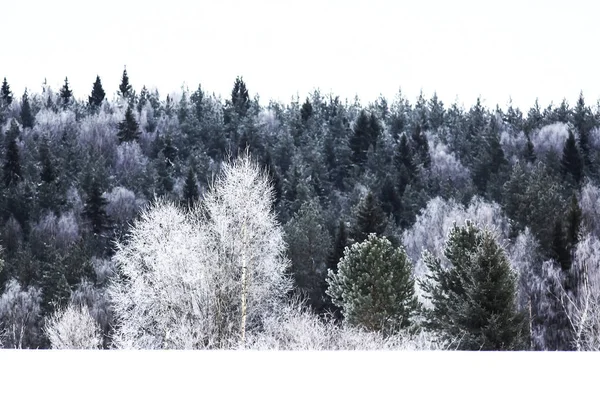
(197, 99)
(65, 93)
(582, 119)
(26, 115)
(5, 93)
(144, 96)
(48, 176)
(370, 218)
(405, 165)
(95, 209)
(125, 87)
(190, 188)
(97, 97)
(571, 160)
(361, 138)
(306, 111)
(560, 248)
(12, 165)
(240, 99)
(128, 128)
(374, 286)
(529, 151)
(436, 112)
(474, 299)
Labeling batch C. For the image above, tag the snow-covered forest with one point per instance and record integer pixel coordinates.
(189, 221)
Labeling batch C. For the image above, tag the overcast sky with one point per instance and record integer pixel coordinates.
(511, 48)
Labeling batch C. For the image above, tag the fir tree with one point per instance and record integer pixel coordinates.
(405, 165)
(97, 97)
(560, 248)
(529, 151)
(574, 217)
(144, 96)
(582, 120)
(370, 218)
(190, 188)
(240, 99)
(474, 299)
(5, 93)
(128, 128)
(26, 115)
(374, 286)
(306, 111)
(436, 112)
(340, 243)
(571, 160)
(66, 93)
(95, 208)
(125, 87)
(12, 165)
(197, 99)
(360, 139)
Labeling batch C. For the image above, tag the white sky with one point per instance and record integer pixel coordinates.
(511, 48)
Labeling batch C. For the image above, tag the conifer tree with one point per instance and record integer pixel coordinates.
(240, 99)
(26, 115)
(48, 177)
(582, 119)
(560, 248)
(374, 286)
(144, 96)
(405, 165)
(197, 99)
(95, 208)
(337, 251)
(574, 217)
(66, 93)
(474, 299)
(436, 112)
(190, 189)
(128, 128)
(571, 160)
(97, 97)
(12, 164)
(529, 151)
(306, 111)
(125, 87)
(370, 218)
(5, 93)
(361, 138)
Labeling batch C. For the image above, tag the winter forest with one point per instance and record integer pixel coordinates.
(196, 222)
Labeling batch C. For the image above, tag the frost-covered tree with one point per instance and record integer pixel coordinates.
(370, 218)
(73, 328)
(474, 297)
(6, 93)
(374, 286)
(66, 94)
(12, 164)
(27, 118)
(20, 314)
(128, 128)
(125, 87)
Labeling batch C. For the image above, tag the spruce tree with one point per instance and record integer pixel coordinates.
(474, 298)
(144, 96)
(374, 286)
(97, 97)
(5, 93)
(125, 87)
(574, 217)
(529, 151)
(306, 111)
(66, 93)
(582, 120)
(360, 139)
(190, 188)
(240, 99)
(48, 176)
(26, 115)
(405, 165)
(560, 248)
(95, 208)
(571, 160)
(370, 218)
(12, 164)
(128, 128)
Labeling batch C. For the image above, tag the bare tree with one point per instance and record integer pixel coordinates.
(73, 328)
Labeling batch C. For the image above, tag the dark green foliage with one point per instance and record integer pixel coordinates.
(436, 112)
(560, 250)
(97, 97)
(129, 130)
(306, 111)
(405, 165)
(12, 164)
(66, 94)
(370, 218)
(340, 243)
(125, 87)
(197, 99)
(240, 99)
(474, 299)
(573, 225)
(95, 209)
(374, 286)
(5, 92)
(26, 116)
(144, 96)
(190, 189)
(529, 152)
(572, 164)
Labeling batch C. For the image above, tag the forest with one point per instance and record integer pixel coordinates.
(196, 222)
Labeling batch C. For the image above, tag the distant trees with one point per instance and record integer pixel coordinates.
(125, 90)
(474, 298)
(26, 115)
(6, 93)
(66, 94)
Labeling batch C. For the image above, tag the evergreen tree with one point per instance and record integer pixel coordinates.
(95, 209)
(66, 93)
(97, 97)
(128, 128)
(190, 188)
(582, 120)
(240, 99)
(405, 165)
(474, 299)
(5, 93)
(370, 218)
(374, 286)
(574, 217)
(125, 87)
(47, 191)
(436, 112)
(560, 248)
(26, 115)
(337, 251)
(197, 99)
(571, 160)
(144, 96)
(529, 151)
(361, 138)
(306, 111)
(12, 164)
